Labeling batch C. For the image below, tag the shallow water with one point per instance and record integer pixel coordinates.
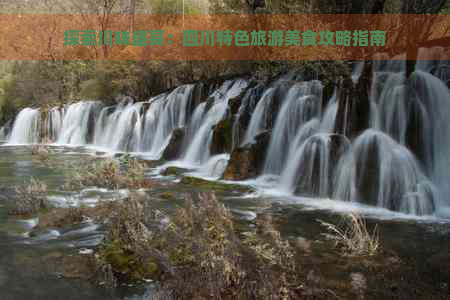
(27, 264)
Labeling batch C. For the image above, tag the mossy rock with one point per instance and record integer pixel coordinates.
(222, 140)
(173, 171)
(168, 196)
(247, 161)
(173, 149)
(213, 185)
(127, 264)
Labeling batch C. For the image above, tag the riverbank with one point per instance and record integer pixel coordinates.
(412, 262)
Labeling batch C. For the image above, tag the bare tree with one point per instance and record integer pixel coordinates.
(422, 6)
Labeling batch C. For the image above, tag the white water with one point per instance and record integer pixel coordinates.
(260, 115)
(75, 124)
(400, 163)
(165, 118)
(198, 150)
(301, 104)
(119, 129)
(26, 127)
(54, 123)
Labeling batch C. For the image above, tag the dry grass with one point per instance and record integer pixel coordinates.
(353, 236)
(40, 152)
(196, 252)
(111, 174)
(30, 198)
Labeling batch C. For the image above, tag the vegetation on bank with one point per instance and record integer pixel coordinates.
(30, 198)
(198, 250)
(109, 173)
(55, 83)
(198, 253)
(353, 237)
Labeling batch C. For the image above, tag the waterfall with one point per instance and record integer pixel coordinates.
(310, 169)
(169, 115)
(151, 123)
(2, 133)
(26, 128)
(54, 123)
(77, 122)
(329, 117)
(301, 104)
(259, 120)
(198, 150)
(380, 172)
(119, 128)
(398, 161)
(249, 102)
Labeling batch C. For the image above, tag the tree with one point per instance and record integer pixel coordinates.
(422, 6)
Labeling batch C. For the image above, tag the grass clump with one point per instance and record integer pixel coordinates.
(196, 252)
(353, 236)
(111, 174)
(40, 152)
(30, 198)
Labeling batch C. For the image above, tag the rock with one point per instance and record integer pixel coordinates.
(222, 140)
(252, 97)
(367, 173)
(235, 103)
(417, 124)
(353, 113)
(198, 95)
(173, 171)
(173, 149)
(168, 196)
(214, 185)
(247, 161)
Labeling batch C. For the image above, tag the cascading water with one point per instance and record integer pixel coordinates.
(26, 129)
(54, 123)
(398, 161)
(198, 150)
(249, 102)
(169, 115)
(301, 104)
(309, 170)
(121, 129)
(380, 172)
(76, 123)
(260, 115)
(2, 133)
